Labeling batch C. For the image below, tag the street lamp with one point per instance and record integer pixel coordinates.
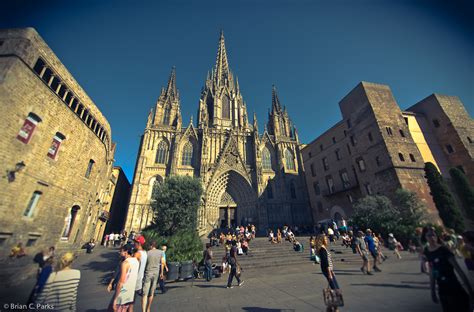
(11, 173)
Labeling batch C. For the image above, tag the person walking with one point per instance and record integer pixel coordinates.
(125, 290)
(327, 267)
(141, 256)
(361, 247)
(165, 269)
(443, 267)
(207, 255)
(153, 272)
(369, 240)
(60, 290)
(393, 245)
(234, 267)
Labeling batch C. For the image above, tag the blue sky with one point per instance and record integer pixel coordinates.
(315, 52)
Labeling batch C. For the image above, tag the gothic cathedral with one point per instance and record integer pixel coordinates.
(246, 177)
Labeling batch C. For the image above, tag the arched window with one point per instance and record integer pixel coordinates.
(154, 182)
(226, 107)
(290, 161)
(269, 190)
(89, 168)
(71, 217)
(187, 156)
(293, 190)
(266, 158)
(282, 126)
(166, 116)
(162, 153)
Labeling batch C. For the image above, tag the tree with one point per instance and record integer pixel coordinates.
(443, 199)
(464, 190)
(176, 202)
(411, 213)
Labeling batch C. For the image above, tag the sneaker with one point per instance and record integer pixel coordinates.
(362, 270)
(370, 273)
(230, 287)
(377, 269)
(241, 283)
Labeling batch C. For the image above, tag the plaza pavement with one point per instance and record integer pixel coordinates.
(400, 287)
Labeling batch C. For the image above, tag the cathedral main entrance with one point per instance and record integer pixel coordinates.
(230, 201)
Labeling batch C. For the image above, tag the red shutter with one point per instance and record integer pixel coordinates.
(26, 131)
(53, 150)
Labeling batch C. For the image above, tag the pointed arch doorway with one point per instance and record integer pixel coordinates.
(230, 201)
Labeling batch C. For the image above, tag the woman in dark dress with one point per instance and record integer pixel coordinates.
(443, 264)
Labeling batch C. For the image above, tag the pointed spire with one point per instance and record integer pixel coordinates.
(222, 65)
(275, 101)
(255, 122)
(237, 87)
(171, 90)
(191, 120)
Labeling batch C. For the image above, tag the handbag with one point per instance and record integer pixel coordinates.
(333, 297)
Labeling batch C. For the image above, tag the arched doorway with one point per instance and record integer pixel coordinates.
(70, 219)
(230, 201)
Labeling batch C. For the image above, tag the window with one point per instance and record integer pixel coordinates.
(290, 161)
(368, 189)
(333, 140)
(349, 124)
(412, 158)
(316, 188)
(406, 120)
(349, 149)
(449, 148)
(54, 148)
(28, 128)
(353, 140)
(349, 198)
(402, 134)
(310, 155)
(39, 66)
(338, 155)
(330, 184)
(89, 168)
(389, 131)
(320, 207)
(226, 107)
(187, 156)
(293, 190)
(361, 164)
(325, 164)
(166, 116)
(162, 153)
(377, 161)
(30, 209)
(370, 137)
(469, 140)
(345, 179)
(269, 190)
(69, 222)
(266, 159)
(313, 171)
(436, 123)
(282, 126)
(321, 147)
(345, 133)
(402, 158)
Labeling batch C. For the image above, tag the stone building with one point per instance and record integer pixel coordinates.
(375, 149)
(56, 150)
(247, 177)
(117, 202)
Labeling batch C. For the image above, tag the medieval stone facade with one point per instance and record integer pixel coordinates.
(247, 177)
(56, 150)
(377, 148)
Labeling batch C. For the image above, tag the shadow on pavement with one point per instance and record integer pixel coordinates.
(210, 286)
(256, 309)
(392, 285)
(110, 261)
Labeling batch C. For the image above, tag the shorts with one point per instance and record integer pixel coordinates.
(149, 284)
(365, 256)
(374, 254)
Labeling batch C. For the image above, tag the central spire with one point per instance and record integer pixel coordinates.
(171, 90)
(222, 65)
(276, 106)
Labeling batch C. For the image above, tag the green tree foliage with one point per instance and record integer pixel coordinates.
(464, 190)
(182, 246)
(176, 202)
(400, 217)
(443, 199)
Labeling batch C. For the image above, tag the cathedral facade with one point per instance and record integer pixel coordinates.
(247, 177)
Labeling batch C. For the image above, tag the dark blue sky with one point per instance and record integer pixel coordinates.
(121, 52)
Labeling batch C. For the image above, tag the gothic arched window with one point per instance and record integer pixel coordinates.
(293, 190)
(162, 153)
(226, 107)
(166, 116)
(282, 126)
(187, 156)
(290, 160)
(266, 159)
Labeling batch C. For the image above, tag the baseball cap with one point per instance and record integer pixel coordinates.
(140, 239)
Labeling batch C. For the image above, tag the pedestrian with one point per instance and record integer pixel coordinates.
(369, 240)
(153, 272)
(235, 269)
(207, 255)
(141, 256)
(18, 251)
(43, 275)
(393, 244)
(165, 268)
(361, 247)
(443, 270)
(125, 290)
(327, 267)
(60, 289)
(331, 234)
